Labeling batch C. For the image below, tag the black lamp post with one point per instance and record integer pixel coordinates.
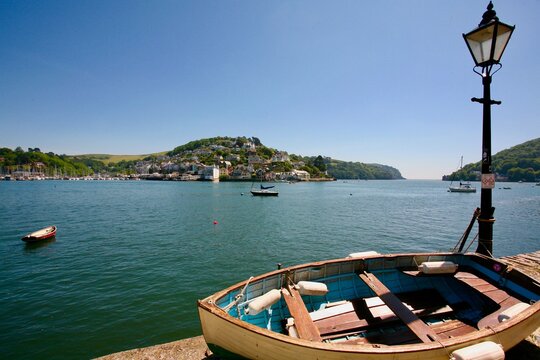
(486, 44)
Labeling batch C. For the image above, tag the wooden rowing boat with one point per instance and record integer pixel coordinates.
(375, 307)
(39, 235)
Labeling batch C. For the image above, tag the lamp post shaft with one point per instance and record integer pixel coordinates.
(486, 220)
(486, 44)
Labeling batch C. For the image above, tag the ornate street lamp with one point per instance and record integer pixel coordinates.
(487, 43)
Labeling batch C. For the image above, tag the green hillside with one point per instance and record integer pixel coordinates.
(518, 163)
(48, 163)
(106, 158)
(317, 166)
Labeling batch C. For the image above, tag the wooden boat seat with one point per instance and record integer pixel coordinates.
(413, 322)
(352, 317)
(497, 295)
(444, 330)
(304, 324)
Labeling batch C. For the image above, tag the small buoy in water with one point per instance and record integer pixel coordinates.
(350, 194)
(241, 194)
(215, 222)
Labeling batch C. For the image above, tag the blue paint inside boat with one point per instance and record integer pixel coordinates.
(343, 283)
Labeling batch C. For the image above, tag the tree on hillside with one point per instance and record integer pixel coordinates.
(319, 163)
(240, 141)
(256, 141)
(264, 152)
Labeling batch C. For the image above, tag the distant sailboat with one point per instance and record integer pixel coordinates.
(464, 187)
(264, 190)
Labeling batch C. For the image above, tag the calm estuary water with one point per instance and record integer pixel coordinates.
(131, 258)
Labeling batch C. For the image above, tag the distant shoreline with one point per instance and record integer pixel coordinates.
(159, 177)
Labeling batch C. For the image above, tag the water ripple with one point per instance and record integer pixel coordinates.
(131, 258)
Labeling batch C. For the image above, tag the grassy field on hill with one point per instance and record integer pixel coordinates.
(107, 158)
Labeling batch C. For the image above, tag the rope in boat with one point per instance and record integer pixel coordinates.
(238, 297)
(445, 349)
(472, 242)
(495, 333)
(461, 242)
(489, 253)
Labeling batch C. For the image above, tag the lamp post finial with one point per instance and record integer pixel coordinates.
(489, 15)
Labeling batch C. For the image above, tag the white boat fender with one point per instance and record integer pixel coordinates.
(487, 350)
(291, 328)
(362, 254)
(311, 288)
(263, 302)
(512, 311)
(438, 267)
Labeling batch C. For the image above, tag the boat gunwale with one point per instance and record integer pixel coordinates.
(458, 341)
(41, 234)
(221, 293)
(209, 304)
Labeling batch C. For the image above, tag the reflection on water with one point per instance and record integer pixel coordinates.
(133, 257)
(36, 245)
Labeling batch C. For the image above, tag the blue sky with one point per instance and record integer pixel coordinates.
(383, 81)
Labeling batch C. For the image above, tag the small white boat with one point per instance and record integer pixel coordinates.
(42, 234)
(464, 187)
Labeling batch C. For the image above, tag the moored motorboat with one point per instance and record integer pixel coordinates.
(42, 234)
(373, 306)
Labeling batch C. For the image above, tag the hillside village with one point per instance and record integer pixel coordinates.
(225, 159)
(213, 159)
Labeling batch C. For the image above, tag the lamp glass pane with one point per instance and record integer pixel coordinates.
(480, 43)
(503, 35)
